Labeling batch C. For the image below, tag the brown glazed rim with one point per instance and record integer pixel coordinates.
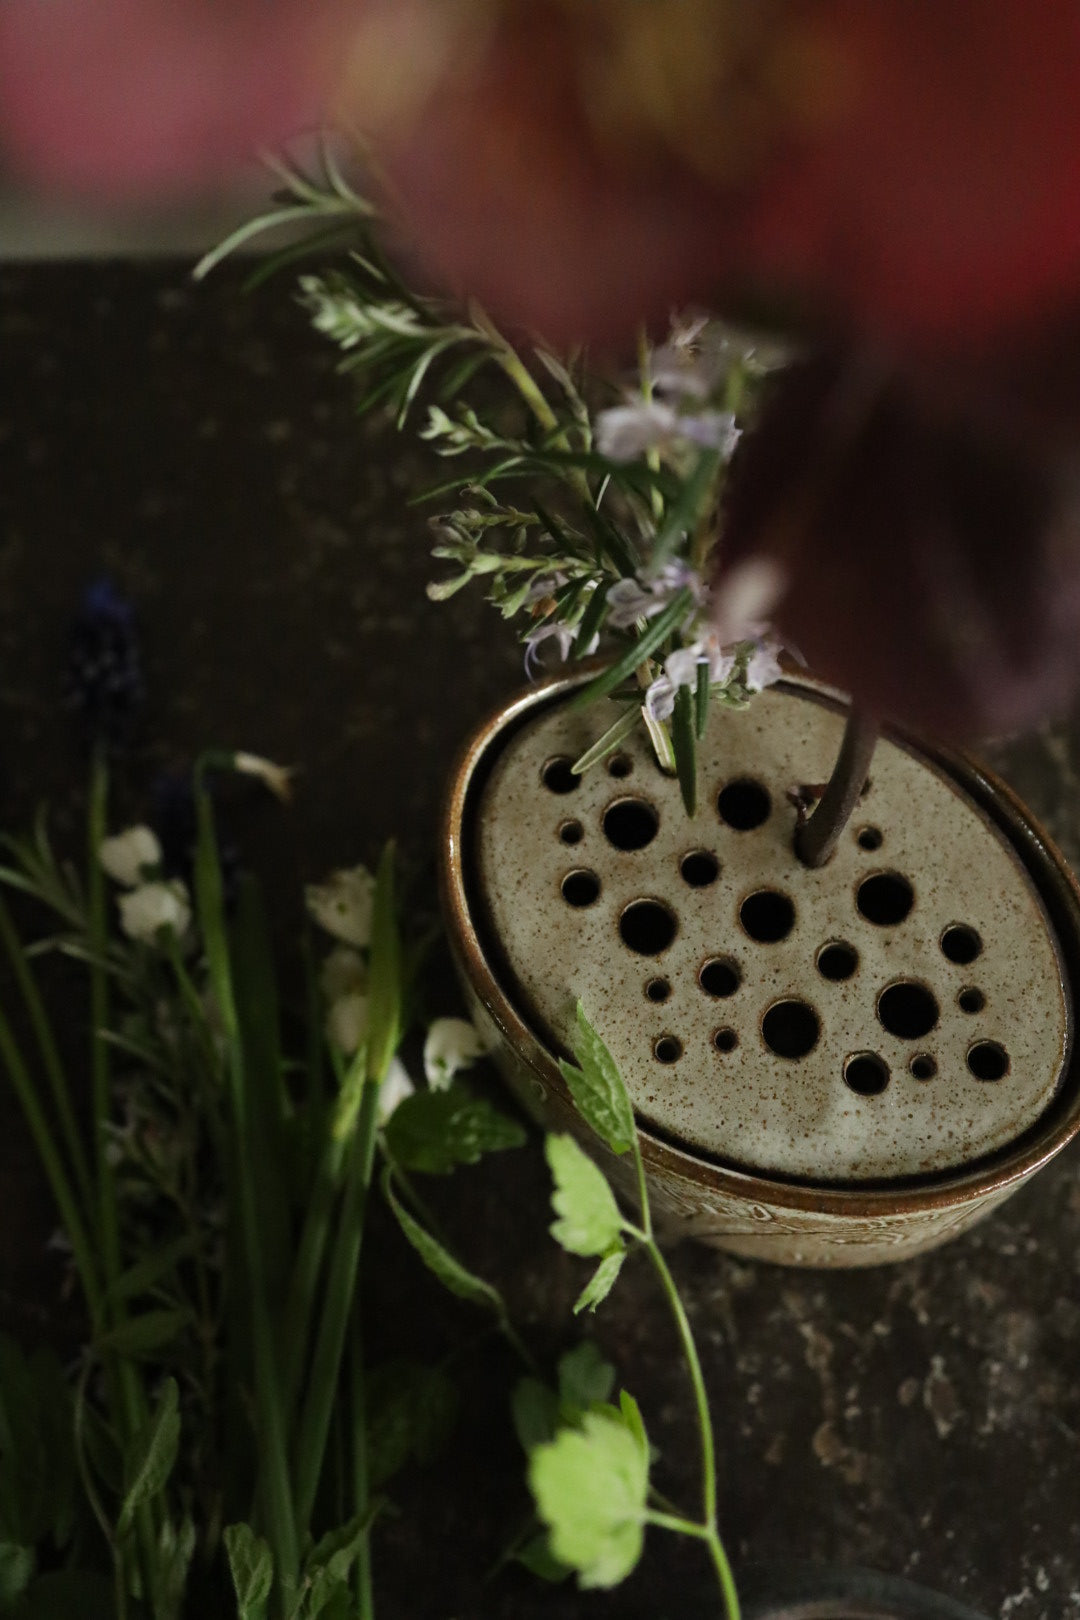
(1056, 886)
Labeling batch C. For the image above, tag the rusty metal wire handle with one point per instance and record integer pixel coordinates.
(816, 838)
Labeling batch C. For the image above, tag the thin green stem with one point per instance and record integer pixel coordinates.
(305, 1276)
(50, 1056)
(365, 1600)
(676, 1522)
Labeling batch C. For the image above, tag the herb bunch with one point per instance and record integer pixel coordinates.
(587, 511)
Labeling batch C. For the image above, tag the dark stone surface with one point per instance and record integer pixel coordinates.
(923, 1419)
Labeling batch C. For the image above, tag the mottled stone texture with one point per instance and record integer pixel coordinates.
(923, 1418)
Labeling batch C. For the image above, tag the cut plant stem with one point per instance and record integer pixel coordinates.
(816, 838)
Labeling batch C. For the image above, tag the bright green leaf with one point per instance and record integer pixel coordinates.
(601, 1282)
(450, 1272)
(589, 1222)
(597, 1088)
(433, 1131)
(251, 1565)
(152, 1456)
(584, 1376)
(631, 1414)
(16, 1570)
(590, 1487)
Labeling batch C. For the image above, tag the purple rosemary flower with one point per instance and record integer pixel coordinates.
(103, 681)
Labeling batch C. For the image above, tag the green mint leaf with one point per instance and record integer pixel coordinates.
(152, 1456)
(535, 1411)
(601, 1282)
(589, 1221)
(584, 1376)
(450, 1272)
(411, 1411)
(434, 1131)
(330, 1564)
(590, 1487)
(539, 1560)
(598, 1090)
(251, 1565)
(16, 1571)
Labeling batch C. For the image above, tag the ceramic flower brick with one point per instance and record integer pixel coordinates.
(582, 168)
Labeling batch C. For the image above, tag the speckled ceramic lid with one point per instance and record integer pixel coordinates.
(899, 1012)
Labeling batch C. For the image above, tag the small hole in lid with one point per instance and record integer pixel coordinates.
(580, 888)
(988, 1060)
(744, 804)
(885, 899)
(630, 823)
(558, 777)
(668, 1049)
(648, 927)
(791, 1028)
(620, 765)
(725, 1040)
(923, 1067)
(658, 989)
(720, 976)
(571, 832)
(971, 1000)
(767, 916)
(960, 944)
(869, 838)
(699, 868)
(837, 960)
(866, 1073)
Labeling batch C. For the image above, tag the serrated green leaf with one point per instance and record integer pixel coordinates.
(152, 1456)
(601, 1282)
(251, 1565)
(589, 1220)
(434, 1131)
(590, 1487)
(597, 1088)
(330, 1564)
(440, 1262)
(584, 1376)
(411, 1411)
(539, 1560)
(16, 1572)
(535, 1411)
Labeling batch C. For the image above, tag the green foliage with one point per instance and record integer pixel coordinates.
(591, 1486)
(597, 1088)
(589, 1221)
(251, 1565)
(455, 1277)
(434, 1131)
(151, 1456)
(411, 1412)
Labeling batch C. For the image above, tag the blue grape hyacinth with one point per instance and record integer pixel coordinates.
(103, 683)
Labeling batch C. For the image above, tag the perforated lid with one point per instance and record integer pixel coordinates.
(901, 1011)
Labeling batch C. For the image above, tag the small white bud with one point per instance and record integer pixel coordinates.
(347, 1021)
(278, 778)
(452, 1044)
(342, 972)
(153, 907)
(342, 905)
(394, 1090)
(131, 855)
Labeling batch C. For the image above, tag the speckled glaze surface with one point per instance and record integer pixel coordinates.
(808, 1592)
(812, 1076)
(770, 1154)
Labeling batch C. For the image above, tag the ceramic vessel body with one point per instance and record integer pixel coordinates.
(789, 1220)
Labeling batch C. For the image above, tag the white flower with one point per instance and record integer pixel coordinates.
(564, 634)
(452, 1044)
(130, 855)
(344, 970)
(764, 666)
(625, 432)
(632, 599)
(742, 605)
(152, 907)
(342, 905)
(660, 698)
(394, 1089)
(347, 1022)
(278, 778)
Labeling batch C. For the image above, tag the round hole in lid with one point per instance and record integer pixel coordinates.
(725, 1040)
(720, 976)
(971, 1000)
(620, 765)
(960, 944)
(580, 888)
(648, 927)
(837, 960)
(791, 1028)
(558, 777)
(744, 804)
(699, 868)
(630, 823)
(866, 1073)
(767, 915)
(908, 1009)
(869, 838)
(658, 990)
(885, 899)
(668, 1049)
(923, 1066)
(571, 832)
(988, 1060)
